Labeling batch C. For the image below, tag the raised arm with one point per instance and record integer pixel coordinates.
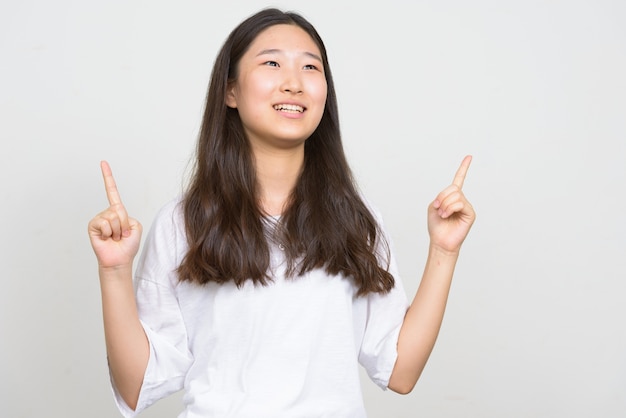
(450, 217)
(115, 239)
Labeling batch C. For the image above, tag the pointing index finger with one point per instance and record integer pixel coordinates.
(109, 184)
(459, 177)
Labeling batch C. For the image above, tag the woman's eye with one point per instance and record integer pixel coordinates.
(271, 63)
(310, 67)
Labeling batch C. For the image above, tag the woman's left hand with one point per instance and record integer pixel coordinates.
(450, 215)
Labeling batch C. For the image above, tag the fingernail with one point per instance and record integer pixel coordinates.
(126, 233)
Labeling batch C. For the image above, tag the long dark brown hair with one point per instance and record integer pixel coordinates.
(326, 223)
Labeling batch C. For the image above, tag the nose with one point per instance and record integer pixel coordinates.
(293, 90)
(292, 83)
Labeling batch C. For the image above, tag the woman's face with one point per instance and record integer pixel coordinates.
(280, 90)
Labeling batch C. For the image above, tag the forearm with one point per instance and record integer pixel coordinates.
(423, 320)
(126, 342)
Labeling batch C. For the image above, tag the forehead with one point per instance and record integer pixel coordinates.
(283, 37)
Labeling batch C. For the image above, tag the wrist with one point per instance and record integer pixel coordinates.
(119, 272)
(438, 251)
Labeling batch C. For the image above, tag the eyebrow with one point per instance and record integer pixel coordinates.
(279, 51)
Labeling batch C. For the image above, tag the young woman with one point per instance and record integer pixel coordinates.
(261, 290)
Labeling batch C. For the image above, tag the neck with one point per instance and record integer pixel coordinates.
(277, 174)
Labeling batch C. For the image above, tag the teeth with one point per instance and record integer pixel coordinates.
(289, 108)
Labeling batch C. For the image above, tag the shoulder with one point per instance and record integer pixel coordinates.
(166, 241)
(168, 221)
(373, 209)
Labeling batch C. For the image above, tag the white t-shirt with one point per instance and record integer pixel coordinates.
(289, 349)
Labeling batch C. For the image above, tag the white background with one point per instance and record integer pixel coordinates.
(535, 90)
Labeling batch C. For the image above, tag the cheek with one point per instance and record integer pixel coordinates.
(253, 88)
(260, 84)
(320, 93)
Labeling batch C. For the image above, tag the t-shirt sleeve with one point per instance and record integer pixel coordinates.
(159, 312)
(379, 347)
(384, 315)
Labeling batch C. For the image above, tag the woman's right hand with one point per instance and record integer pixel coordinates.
(114, 236)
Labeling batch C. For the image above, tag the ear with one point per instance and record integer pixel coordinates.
(230, 99)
